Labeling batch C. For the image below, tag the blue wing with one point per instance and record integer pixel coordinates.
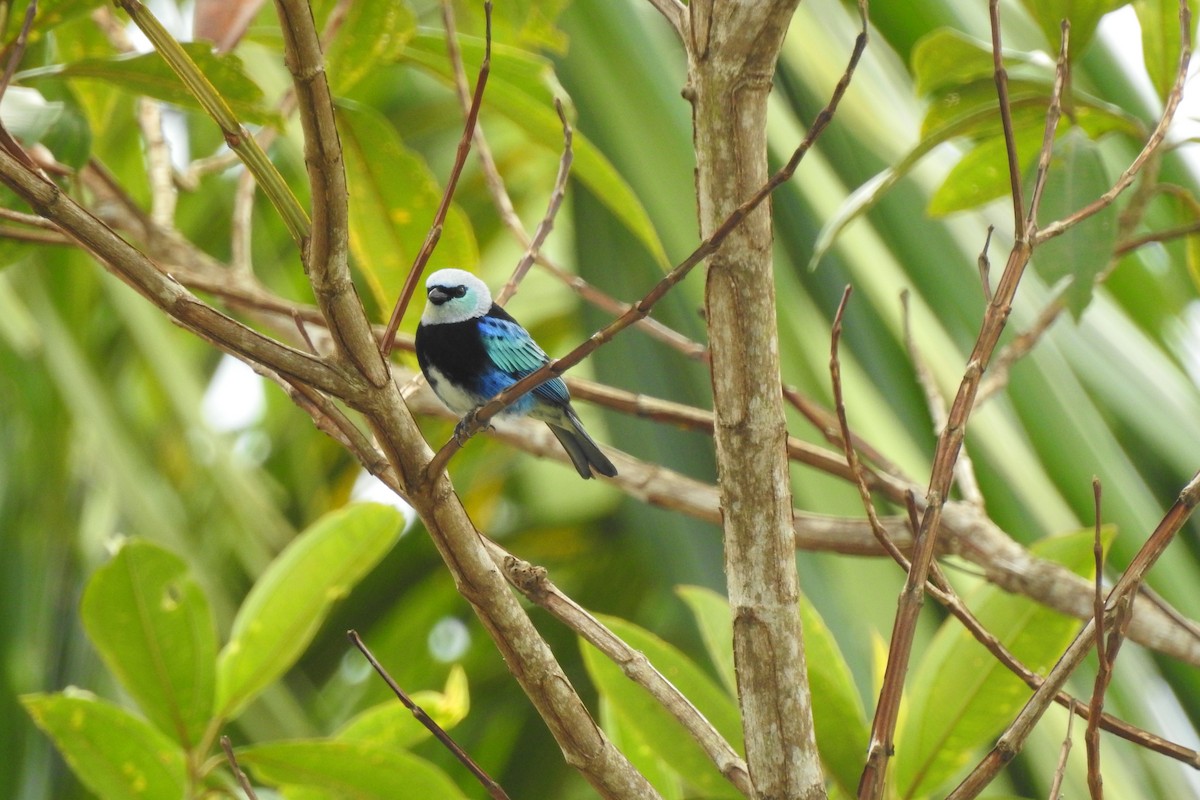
(515, 353)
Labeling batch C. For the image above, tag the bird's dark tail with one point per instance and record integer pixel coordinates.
(584, 452)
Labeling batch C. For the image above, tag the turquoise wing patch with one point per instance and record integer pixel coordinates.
(512, 350)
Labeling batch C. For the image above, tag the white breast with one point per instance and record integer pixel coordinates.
(456, 399)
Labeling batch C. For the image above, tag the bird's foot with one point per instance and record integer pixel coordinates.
(463, 430)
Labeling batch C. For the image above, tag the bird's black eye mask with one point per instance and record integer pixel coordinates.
(440, 294)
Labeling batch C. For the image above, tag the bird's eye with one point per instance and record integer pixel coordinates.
(456, 291)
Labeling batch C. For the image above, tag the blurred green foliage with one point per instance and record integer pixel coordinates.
(141, 536)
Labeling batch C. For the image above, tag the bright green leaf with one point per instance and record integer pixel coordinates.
(151, 623)
(391, 724)
(981, 175)
(661, 730)
(838, 716)
(628, 737)
(392, 207)
(371, 34)
(291, 599)
(969, 112)
(522, 87)
(972, 110)
(711, 612)
(529, 23)
(349, 770)
(1083, 15)
(1159, 20)
(1193, 259)
(114, 754)
(1077, 177)
(961, 697)
(946, 58)
(70, 136)
(50, 14)
(148, 74)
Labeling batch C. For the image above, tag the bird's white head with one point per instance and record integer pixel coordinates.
(454, 295)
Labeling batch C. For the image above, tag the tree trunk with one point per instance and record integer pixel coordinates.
(732, 52)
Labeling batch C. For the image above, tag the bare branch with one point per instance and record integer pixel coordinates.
(555, 368)
(495, 790)
(676, 13)
(547, 224)
(535, 585)
(242, 780)
(439, 218)
(1174, 97)
(1060, 770)
(1014, 737)
(1010, 141)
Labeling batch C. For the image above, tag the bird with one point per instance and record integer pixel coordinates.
(471, 349)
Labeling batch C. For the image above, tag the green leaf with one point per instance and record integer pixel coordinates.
(151, 623)
(970, 111)
(711, 612)
(522, 87)
(371, 34)
(628, 737)
(392, 208)
(113, 753)
(287, 605)
(961, 697)
(349, 770)
(50, 14)
(1077, 177)
(391, 724)
(947, 58)
(1159, 20)
(70, 136)
(635, 707)
(1083, 15)
(981, 175)
(148, 74)
(838, 716)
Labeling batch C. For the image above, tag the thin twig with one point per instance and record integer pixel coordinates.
(478, 419)
(985, 266)
(236, 136)
(675, 13)
(1010, 140)
(964, 468)
(242, 780)
(1159, 133)
(946, 454)
(508, 215)
(241, 227)
(1091, 736)
(14, 58)
(18, 47)
(494, 789)
(158, 163)
(1060, 770)
(547, 224)
(533, 582)
(1013, 739)
(1053, 113)
(439, 218)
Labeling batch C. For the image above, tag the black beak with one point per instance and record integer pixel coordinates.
(440, 294)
